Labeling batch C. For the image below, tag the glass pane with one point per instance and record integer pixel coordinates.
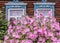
(44, 11)
(18, 18)
(16, 12)
(29, 0)
(53, 0)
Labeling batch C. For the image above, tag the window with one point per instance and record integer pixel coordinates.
(15, 13)
(44, 11)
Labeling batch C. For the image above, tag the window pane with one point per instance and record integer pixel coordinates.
(16, 12)
(44, 11)
(53, 0)
(18, 18)
(28, 0)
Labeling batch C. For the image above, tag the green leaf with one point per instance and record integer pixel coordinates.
(3, 24)
(23, 37)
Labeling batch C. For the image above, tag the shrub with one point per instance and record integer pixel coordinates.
(33, 30)
(3, 25)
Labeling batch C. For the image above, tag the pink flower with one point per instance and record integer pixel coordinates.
(10, 26)
(45, 32)
(15, 35)
(58, 41)
(53, 19)
(11, 40)
(32, 36)
(54, 39)
(17, 27)
(4, 42)
(10, 31)
(50, 14)
(21, 21)
(34, 24)
(35, 14)
(17, 41)
(45, 20)
(14, 22)
(55, 25)
(26, 41)
(50, 34)
(19, 30)
(38, 42)
(31, 29)
(30, 21)
(35, 28)
(40, 31)
(41, 39)
(54, 42)
(41, 15)
(27, 17)
(35, 32)
(25, 31)
(6, 37)
(25, 22)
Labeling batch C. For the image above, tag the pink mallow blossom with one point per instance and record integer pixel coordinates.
(38, 29)
(26, 41)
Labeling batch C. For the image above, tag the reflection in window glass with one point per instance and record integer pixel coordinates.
(44, 11)
(53, 0)
(16, 12)
(18, 18)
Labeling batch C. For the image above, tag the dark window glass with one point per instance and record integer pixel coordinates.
(29, 0)
(6, 0)
(53, 0)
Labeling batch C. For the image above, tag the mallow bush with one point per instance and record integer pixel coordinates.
(33, 30)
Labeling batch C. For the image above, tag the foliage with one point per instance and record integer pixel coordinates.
(33, 30)
(3, 24)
